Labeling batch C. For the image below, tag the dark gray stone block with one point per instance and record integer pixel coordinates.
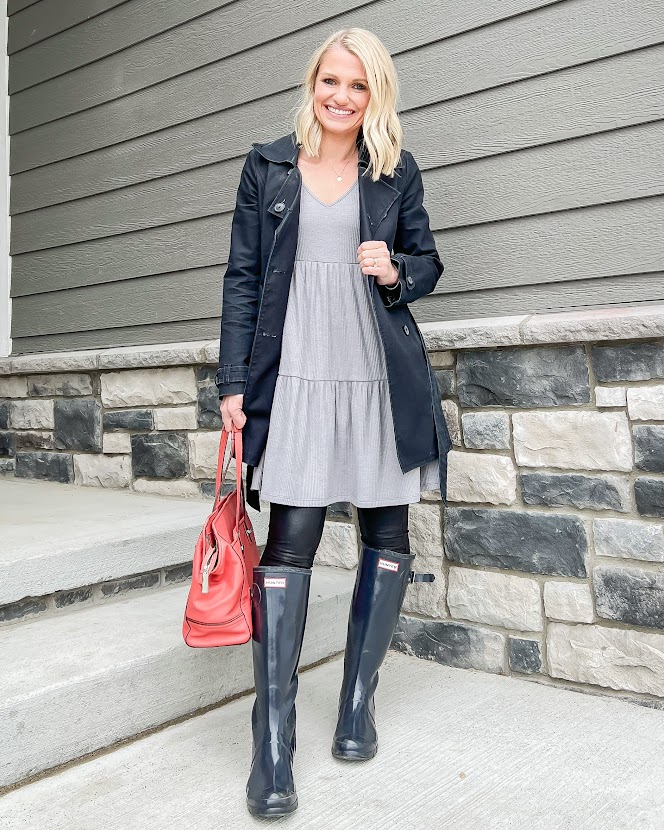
(33, 440)
(159, 455)
(7, 466)
(50, 466)
(649, 448)
(69, 385)
(450, 643)
(77, 424)
(340, 509)
(209, 414)
(634, 361)
(128, 419)
(7, 444)
(535, 542)
(649, 494)
(23, 608)
(63, 599)
(528, 377)
(446, 382)
(121, 586)
(524, 655)
(584, 492)
(4, 415)
(206, 374)
(630, 595)
(207, 489)
(178, 573)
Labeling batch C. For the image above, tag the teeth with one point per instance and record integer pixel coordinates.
(340, 112)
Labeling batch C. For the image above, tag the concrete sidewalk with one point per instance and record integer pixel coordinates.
(459, 749)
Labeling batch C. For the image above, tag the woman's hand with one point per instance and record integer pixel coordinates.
(231, 412)
(384, 270)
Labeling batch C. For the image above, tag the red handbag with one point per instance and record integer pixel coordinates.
(218, 609)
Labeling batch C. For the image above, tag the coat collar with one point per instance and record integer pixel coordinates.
(286, 149)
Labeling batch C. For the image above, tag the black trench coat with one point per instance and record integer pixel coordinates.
(256, 285)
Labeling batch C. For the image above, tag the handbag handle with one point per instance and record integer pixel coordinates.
(236, 441)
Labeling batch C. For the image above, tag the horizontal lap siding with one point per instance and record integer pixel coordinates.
(538, 126)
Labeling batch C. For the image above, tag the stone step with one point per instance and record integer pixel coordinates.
(82, 681)
(57, 537)
(457, 749)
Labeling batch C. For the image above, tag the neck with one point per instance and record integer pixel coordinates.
(337, 149)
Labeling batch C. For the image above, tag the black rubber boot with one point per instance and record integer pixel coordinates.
(280, 598)
(380, 586)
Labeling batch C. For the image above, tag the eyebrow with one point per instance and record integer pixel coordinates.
(336, 76)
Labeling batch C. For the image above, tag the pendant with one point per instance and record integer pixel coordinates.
(338, 178)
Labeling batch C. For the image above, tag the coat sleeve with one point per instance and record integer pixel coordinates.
(414, 252)
(240, 301)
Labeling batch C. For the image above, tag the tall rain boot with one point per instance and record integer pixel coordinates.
(280, 598)
(380, 586)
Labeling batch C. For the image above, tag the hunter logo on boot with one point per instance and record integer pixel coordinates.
(275, 582)
(387, 565)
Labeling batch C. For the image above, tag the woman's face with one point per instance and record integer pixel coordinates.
(341, 84)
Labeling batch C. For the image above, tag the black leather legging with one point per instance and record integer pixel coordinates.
(295, 532)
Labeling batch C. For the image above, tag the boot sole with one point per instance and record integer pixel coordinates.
(353, 755)
(261, 811)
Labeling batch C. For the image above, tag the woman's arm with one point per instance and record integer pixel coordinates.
(415, 253)
(239, 314)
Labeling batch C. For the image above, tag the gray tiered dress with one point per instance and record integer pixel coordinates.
(331, 435)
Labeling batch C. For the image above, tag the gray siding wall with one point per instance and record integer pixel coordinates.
(538, 125)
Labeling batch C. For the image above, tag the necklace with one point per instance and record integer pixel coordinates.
(342, 172)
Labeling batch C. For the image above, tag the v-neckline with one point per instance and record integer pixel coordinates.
(328, 204)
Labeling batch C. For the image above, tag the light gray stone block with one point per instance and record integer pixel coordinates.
(474, 477)
(629, 539)
(568, 601)
(595, 324)
(166, 354)
(183, 488)
(441, 360)
(56, 362)
(646, 403)
(451, 413)
(607, 656)
(148, 387)
(175, 417)
(116, 442)
(204, 454)
(13, 387)
(426, 542)
(468, 334)
(338, 545)
(494, 598)
(102, 470)
(572, 440)
(606, 396)
(31, 414)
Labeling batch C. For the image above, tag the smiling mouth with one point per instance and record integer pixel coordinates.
(340, 113)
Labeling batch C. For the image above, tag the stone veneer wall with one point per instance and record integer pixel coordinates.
(549, 558)
(121, 418)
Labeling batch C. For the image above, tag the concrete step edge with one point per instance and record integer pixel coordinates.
(88, 679)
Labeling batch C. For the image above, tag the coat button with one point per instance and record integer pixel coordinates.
(279, 206)
(406, 329)
(409, 280)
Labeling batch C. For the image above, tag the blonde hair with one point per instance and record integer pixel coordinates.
(381, 129)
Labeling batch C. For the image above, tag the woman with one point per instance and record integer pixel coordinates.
(324, 369)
